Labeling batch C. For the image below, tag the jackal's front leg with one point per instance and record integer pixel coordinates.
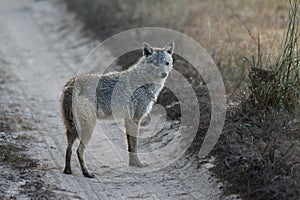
(132, 130)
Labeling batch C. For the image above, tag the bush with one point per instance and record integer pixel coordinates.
(279, 87)
(110, 17)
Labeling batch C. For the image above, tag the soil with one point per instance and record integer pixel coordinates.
(42, 46)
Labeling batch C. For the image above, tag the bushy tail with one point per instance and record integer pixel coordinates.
(66, 109)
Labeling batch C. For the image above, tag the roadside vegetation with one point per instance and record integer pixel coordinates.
(255, 45)
(259, 153)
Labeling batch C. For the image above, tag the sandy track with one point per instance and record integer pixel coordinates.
(44, 46)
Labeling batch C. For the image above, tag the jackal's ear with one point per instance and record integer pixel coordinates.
(170, 47)
(147, 49)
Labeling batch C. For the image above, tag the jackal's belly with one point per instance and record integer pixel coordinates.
(134, 110)
(113, 113)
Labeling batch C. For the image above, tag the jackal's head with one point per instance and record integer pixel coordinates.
(159, 61)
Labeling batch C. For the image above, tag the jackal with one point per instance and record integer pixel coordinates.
(127, 95)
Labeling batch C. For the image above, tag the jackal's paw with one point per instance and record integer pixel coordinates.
(138, 164)
(67, 171)
(88, 174)
(142, 164)
(146, 121)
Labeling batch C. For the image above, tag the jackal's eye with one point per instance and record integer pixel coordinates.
(167, 63)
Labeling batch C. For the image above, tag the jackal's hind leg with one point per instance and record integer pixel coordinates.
(85, 137)
(84, 168)
(86, 119)
(71, 137)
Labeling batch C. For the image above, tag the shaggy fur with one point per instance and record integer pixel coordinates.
(127, 95)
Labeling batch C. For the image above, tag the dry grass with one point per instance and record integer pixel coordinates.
(228, 30)
(278, 87)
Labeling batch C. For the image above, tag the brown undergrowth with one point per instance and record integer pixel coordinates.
(259, 153)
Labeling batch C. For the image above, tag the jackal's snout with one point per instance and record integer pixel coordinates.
(163, 74)
(162, 71)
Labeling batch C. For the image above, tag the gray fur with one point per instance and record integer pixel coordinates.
(127, 95)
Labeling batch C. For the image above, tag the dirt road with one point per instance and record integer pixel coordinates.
(43, 45)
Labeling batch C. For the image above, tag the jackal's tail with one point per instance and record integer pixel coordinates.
(66, 109)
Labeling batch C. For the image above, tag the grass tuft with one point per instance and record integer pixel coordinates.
(279, 86)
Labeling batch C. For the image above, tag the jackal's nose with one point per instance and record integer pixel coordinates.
(163, 74)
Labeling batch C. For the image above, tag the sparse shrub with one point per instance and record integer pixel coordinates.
(258, 153)
(111, 17)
